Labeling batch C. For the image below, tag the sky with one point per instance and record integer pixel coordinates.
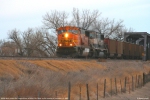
(24, 14)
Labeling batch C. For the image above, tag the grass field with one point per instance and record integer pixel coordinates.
(42, 78)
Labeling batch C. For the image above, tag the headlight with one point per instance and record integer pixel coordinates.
(66, 35)
(70, 44)
(60, 44)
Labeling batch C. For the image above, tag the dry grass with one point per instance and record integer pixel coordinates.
(11, 68)
(33, 78)
(67, 65)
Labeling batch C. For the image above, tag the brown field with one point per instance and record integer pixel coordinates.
(43, 78)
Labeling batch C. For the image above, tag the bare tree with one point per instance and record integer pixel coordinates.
(76, 18)
(108, 27)
(38, 42)
(51, 42)
(28, 41)
(46, 44)
(1, 44)
(120, 32)
(14, 35)
(101, 25)
(114, 27)
(55, 19)
(84, 19)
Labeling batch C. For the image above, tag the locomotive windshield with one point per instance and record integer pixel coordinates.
(92, 35)
(71, 31)
(61, 31)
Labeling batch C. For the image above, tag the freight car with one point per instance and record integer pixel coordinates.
(121, 49)
(78, 42)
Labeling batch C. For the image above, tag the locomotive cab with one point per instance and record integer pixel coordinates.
(96, 43)
(68, 40)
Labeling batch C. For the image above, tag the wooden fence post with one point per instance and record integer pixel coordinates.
(129, 84)
(104, 87)
(140, 81)
(39, 94)
(56, 94)
(69, 90)
(132, 84)
(80, 92)
(143, 79)
(18, 97)
(97, 91)
(87, 92)
(136, 82)
(111, 86)
(120, 86)
(116, 86)
(125, 82)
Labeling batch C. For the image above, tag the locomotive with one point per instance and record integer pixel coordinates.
(78, 42)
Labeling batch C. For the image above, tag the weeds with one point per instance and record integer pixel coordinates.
(33, 78)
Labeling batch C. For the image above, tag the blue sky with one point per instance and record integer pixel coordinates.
(22, 14)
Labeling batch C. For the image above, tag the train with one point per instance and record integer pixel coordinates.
(78, 42)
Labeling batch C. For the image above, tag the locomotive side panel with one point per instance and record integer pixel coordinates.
(119, 48)
(141, 49)
(112, 47)
(148, 52)
(84, 40)
(134, 50)
(126, 49)
(137, 51)
(131, 50)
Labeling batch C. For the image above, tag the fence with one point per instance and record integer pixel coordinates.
(110, 87)
(125, 85)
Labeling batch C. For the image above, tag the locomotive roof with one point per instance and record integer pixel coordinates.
(137, 33)
(76, 28)
(68, 27)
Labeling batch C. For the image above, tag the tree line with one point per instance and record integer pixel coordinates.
(40, 42)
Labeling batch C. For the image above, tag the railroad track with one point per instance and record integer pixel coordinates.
(62, 58)
(32, 58)
(41, 58)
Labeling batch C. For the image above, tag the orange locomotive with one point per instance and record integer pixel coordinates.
(75, 41)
